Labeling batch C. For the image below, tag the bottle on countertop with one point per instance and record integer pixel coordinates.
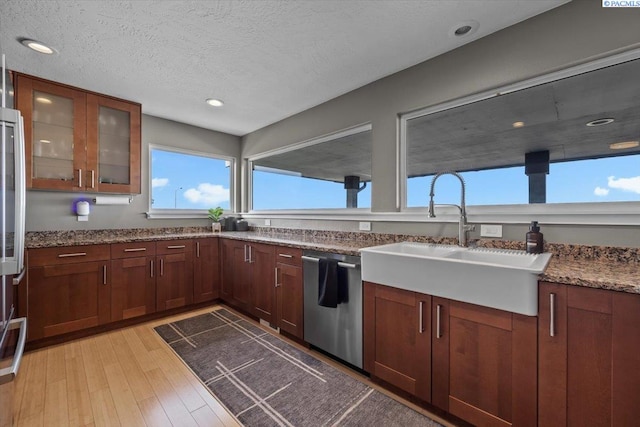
(535, 244)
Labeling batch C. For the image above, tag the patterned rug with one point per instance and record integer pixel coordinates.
(263, 381)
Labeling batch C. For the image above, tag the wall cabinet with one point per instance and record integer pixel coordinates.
(78, 140)
(397, 338)
(588, 357)
(133, 290)
(289, 315)
(174, 274)
(484, 364)
(68, 289)
(206, 270)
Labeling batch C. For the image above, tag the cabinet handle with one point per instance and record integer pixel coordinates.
(161, 267)
(135, 249)
(552, 315)
(277, 277)
(438, 312)
(245, 253)
(93, 179)
(104, 274)
(197, 249)
(80, 178)
(285, 255)
(152, 269)
(175, 247)
(250, 255)
(72, 255)
(420, 318)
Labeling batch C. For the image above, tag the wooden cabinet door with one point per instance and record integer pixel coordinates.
(289, 299)
(227, 247)
(206, 270)
(68, 297)
(484, 364)
(262, 264)
(588, 357)
(55, 134)
(174, 272)
(133, 289)
(397, 338)
(242, 277)
(113, 145)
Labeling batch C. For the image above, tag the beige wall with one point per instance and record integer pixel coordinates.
(50, 210)
(575, 33)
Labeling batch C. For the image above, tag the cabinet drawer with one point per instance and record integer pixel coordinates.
(68, 255)
(291, 256)
(173, 246)
(133, 250)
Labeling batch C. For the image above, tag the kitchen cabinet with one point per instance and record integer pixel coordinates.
(174, 274)
(397, 338)
(68, 289)
(78, 140)
(248, 277)
(133, 290)
(484, 364)
(588, 356)
(289, 315)
(206, 270)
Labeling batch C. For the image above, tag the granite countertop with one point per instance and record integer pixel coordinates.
(611, 268)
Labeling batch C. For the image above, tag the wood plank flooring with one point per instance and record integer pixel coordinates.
(127, 377)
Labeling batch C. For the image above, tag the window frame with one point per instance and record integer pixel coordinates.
(169, 213)
(592, 213)
(302, 212)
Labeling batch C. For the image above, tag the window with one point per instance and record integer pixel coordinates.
(182, 180)
(331, 172)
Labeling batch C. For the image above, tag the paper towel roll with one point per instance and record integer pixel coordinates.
(112, 200)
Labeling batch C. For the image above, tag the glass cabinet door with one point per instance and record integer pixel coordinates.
(54, 121)
(114, 125)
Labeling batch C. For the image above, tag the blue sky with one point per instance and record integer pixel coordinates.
(194, 182)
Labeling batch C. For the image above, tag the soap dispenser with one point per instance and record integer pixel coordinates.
(535, 244)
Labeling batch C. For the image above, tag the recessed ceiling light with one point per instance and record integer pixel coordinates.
(517, 124)
(43, 100)
(215, 102)
(624, 144)
(463, 29)
(600, 122)
(37, 46)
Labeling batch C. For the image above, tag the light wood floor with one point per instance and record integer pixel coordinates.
(127, 377)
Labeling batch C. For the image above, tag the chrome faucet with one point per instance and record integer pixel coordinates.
(463, 227)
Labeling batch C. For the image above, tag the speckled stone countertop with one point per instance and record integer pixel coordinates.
(602, 267)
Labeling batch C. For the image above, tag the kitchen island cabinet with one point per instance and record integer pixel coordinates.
(68, 289)
(589, 348)
(397, 338)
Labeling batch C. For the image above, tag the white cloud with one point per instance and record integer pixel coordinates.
(599, 191)
(159, 182)
(207, 194)
(625, 184)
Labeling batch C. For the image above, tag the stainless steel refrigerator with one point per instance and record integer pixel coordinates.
(13, 330)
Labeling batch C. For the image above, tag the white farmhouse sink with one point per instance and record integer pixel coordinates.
(497, 278)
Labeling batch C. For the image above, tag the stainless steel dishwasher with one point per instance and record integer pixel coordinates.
(337, 331)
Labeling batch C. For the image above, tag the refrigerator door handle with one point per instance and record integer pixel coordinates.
(8, 374)
(20, 192)
(17, 280)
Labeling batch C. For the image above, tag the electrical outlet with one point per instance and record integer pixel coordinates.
(490, 230)
(267, 222)
(364, 226)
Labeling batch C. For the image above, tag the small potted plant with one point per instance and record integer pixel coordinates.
(214, 215)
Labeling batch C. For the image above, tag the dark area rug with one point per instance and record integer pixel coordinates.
(264, 381)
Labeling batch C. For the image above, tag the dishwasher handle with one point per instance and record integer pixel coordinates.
(340, 263)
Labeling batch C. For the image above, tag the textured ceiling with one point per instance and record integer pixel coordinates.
(266, 59)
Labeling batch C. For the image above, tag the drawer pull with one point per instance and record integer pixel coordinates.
(72, 255)
(197, 249)
(176, 247)
(285, 255)
(135, 249)
(104, 274)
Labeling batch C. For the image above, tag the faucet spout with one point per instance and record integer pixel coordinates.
(463, 228)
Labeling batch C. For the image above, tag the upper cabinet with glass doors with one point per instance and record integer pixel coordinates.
(78, 140)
